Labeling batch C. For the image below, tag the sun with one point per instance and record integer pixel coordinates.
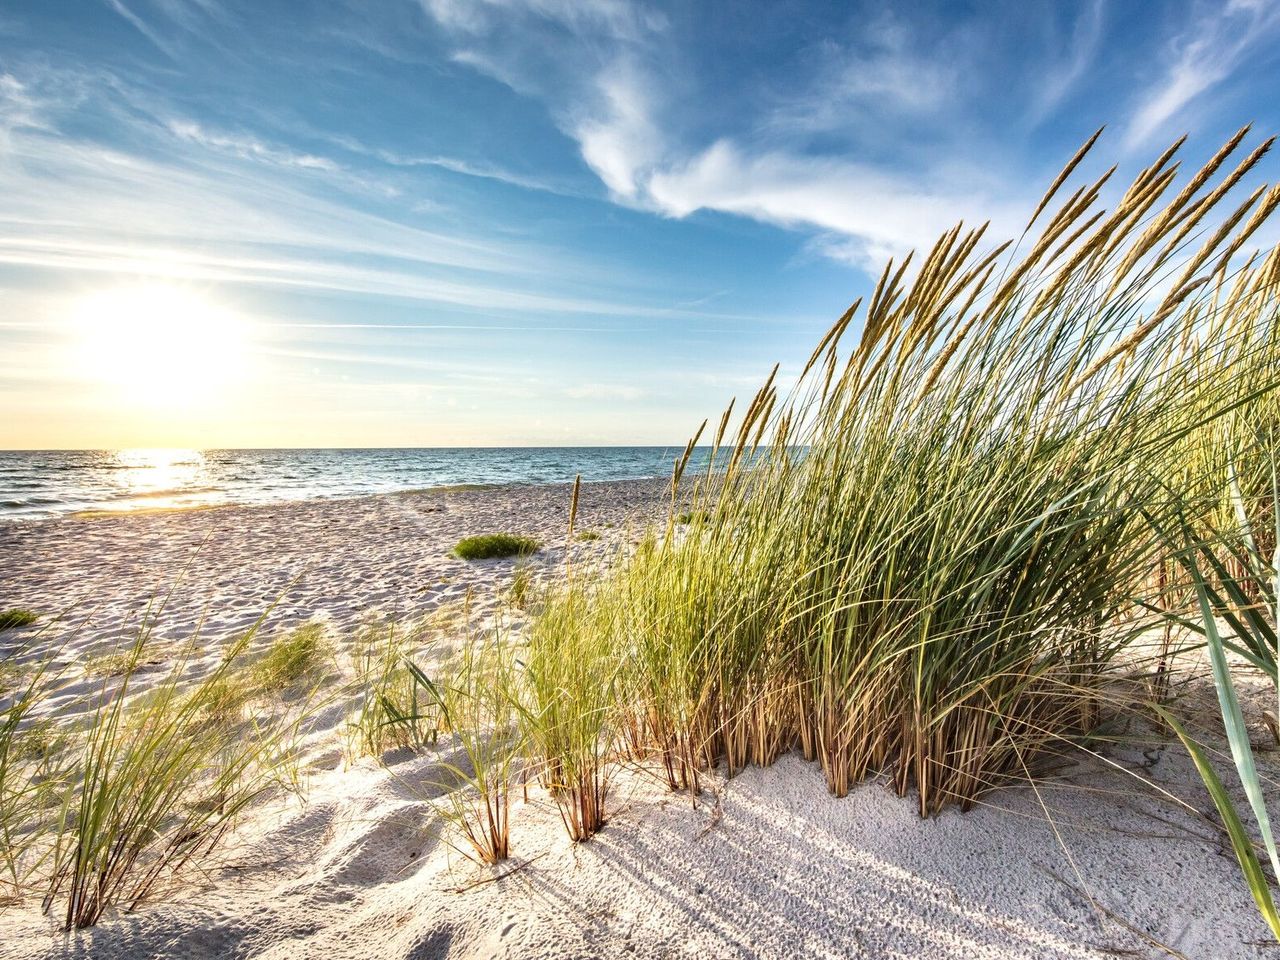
(159, 344)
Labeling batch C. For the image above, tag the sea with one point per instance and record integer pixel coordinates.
(36, 484)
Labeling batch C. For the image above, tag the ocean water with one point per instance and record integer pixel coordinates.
(44, 483)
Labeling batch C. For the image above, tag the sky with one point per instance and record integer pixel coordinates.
(244, 223)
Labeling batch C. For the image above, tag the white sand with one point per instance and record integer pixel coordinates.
(766, 865)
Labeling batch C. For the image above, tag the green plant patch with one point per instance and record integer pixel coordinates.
(108, 665)
(17, 617)
(298, 655)
(493, 545)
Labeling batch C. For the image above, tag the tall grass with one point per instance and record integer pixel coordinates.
(101, 809)
(477, 698)
(158, 784)
(570, 669)
(396, 708)
(922, 559)
(1235, 584)
(34, 768)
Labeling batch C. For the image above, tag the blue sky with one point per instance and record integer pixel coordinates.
(437, 222)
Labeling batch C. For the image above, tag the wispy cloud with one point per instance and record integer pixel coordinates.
(143, 27)
(618, 19)
(1203, 55)
(1077, 51)
(881, 74)
(466, 168)
(812, 153)
(627, 119)
(204, 205)
(249, 148)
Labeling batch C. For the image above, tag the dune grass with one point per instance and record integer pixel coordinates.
(17, 617)
(524, 586)
(109, 665)
(476, 696)
(567, 708)
(395, 710)
(106, 810)
(302, 655)
(495, 545)
(923, 559)
(33, 773)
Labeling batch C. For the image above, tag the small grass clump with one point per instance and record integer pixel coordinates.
(222, 700)
(396, 711)
(477, 696)
(297, 656)
(108, 665)
(521, 591)
(490, 546)
(17, 617)
(122, 802)
(156, 788)
(587, 536)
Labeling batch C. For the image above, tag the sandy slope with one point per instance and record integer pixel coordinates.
(766, 864)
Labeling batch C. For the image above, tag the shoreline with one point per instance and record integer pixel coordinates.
(102, 514)
(41, 485)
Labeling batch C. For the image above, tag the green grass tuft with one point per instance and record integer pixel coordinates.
(296, 656)
(109, 665)
(395, 710)
(522, 586)
(587, 535)
(492, 545)
(17, 617)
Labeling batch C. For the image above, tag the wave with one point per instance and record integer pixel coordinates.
(169, 492)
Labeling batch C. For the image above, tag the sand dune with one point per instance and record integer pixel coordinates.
(766, 864)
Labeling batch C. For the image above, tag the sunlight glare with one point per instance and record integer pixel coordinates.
(159, 344)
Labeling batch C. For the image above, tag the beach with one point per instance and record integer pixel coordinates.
(622, 478)
(764, 864)
(337, 560)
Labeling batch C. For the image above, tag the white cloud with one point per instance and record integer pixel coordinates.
(142, 26)
(1209, 51)
(615, 18)
(484, 171)
(618, 136)
(868, 213)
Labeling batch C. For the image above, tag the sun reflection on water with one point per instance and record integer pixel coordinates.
(159, 478)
